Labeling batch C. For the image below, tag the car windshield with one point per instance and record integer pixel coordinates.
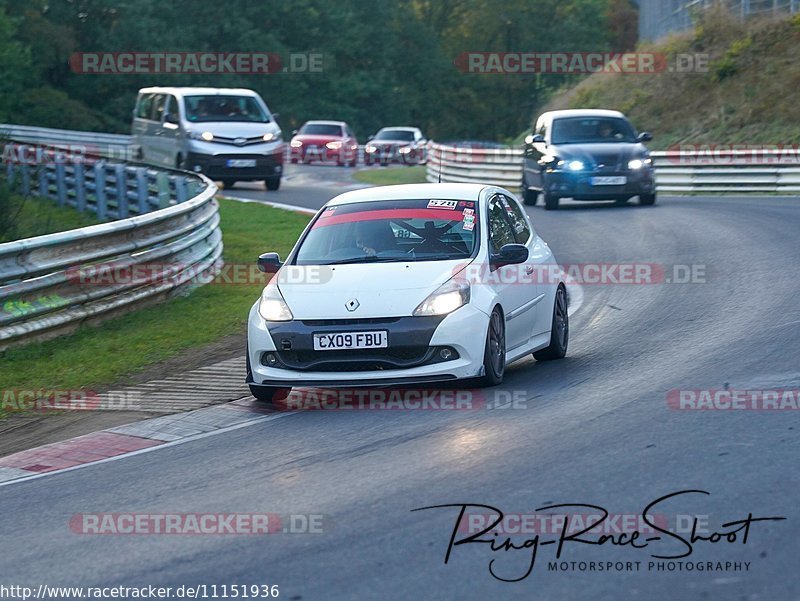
(391, 231)
(215, 107)
(589, 130)
(320, 129)
(395, 134)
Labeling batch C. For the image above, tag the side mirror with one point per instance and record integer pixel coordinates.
(370, 138)
(170, 118)
(645, 136)
(511, 254)
(269, 262)
(275, 116)
(294, 132)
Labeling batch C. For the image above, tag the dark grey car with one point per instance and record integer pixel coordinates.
(590, 154)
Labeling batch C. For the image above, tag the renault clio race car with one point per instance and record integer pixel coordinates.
(407, 285)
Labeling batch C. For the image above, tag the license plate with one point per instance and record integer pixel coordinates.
(609, 180)
(351, 340)
(241, 162)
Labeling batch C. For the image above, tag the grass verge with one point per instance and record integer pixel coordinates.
(392, 175)
(95, 357)
(27, 217)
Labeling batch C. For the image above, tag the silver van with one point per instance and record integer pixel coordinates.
(228, 134)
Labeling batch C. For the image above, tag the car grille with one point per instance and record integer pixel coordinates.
(356, 359)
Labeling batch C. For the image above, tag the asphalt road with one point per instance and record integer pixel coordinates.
(595, 428)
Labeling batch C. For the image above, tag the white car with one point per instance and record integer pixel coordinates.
(413, 284)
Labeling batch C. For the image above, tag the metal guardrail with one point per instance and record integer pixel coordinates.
(89, 143)
(759, 171)
(51, 284)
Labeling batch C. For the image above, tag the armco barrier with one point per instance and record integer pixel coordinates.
(726, 172)
(43, 280)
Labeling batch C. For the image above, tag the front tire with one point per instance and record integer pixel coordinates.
(559, 330)
(647, 199)
(227, 184)
(550, 202)
(530, 197)
(263, 394)
(494, 354)
(273, 183)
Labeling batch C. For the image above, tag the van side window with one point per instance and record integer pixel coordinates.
(145, 106)
(157, 110)
(172, 109)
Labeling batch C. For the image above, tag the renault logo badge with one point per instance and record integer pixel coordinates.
(352, 304)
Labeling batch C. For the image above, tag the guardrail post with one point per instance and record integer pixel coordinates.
(100, 190)
(80, 187)
(43, 192)
(162, 183)
(180, 189)
(122, 190)
(142, 190)
(61, 189)
(26, 179)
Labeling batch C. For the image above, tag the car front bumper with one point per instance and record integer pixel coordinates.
(463, 331)
(578, 185)
(216, 166)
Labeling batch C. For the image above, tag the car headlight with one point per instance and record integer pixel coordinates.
(272, 307)
(334, 145)
(447, 298)
(206, 136)
(405, 149)
(639, 163)
(296, 144)
(575, 165)
(370, 148)
(269, 136)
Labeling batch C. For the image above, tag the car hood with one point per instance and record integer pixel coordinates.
(381, 289)
(317, 140)
(230, 129)
(613, 155)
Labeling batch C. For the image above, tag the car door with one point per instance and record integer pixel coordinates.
(170, 132)
(508, 281)
(533, 165)
(537, 273)
(155, 130)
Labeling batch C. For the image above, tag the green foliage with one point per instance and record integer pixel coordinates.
(384, 62)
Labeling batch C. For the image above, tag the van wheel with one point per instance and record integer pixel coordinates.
(228, 183)
(273, 183)
(550, 202)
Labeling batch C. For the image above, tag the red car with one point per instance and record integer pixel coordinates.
(325, 141)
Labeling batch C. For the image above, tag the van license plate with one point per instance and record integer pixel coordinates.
(351, 340)
(241, 163)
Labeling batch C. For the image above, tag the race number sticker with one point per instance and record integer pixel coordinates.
(442, 204)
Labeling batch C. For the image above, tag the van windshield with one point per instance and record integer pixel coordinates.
(214, 107)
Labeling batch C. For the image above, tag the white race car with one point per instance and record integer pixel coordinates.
(412, 284)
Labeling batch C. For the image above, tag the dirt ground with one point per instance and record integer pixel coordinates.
(26, 431)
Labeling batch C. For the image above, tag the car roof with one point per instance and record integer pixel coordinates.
(403, 192)
(318, 122)
(400, 127)
(189, 91)
(582, 113)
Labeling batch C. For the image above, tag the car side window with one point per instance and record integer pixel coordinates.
(144, 107)
(500, 232)
(522, 232)
(172, 109)
(157, 109)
